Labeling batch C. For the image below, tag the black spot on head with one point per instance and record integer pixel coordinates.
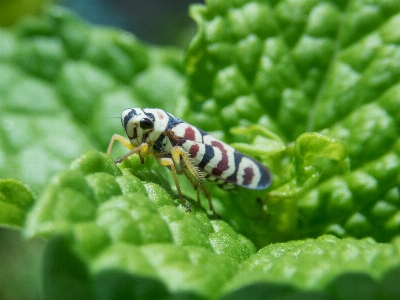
(146, 123)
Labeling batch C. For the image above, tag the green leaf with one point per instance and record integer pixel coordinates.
(65, 274)
(290, 262)
(141, 238)
(15, 200)
(115, 223)
(12, 11)
(320, 76)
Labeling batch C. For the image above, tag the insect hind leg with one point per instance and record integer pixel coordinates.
(193, 175)
(194, 181)
(168, 162)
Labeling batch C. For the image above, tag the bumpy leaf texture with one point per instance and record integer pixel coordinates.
(116, 226)
(330, 67)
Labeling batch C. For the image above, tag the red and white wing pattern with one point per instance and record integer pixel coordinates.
(220, 162)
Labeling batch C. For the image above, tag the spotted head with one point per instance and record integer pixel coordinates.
(137, 124)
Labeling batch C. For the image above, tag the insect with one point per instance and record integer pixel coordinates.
(188, 150)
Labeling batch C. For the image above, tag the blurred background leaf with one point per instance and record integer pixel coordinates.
(57, 77)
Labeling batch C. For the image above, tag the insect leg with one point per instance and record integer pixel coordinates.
(177, 154)
(123, 140)
(141, 149)
(194, 181)
(168, 162)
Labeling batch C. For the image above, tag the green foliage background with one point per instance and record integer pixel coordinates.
(310, 88)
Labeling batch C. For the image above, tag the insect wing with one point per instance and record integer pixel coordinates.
(221, 161)
(250, 173)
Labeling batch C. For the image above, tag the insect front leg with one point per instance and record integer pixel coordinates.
(142, 149)
(177, 154)
(168, 162)
(123, 140)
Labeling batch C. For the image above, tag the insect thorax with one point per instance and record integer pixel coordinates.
(163, 145)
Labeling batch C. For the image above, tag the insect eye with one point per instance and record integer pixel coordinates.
(146, 123)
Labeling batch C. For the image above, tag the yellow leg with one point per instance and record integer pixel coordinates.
(123, 140)
(141, 149)
(168, 162)
(196, 181)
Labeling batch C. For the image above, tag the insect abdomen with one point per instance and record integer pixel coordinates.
(221, 162)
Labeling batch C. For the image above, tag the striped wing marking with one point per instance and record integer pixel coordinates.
(220, 160)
